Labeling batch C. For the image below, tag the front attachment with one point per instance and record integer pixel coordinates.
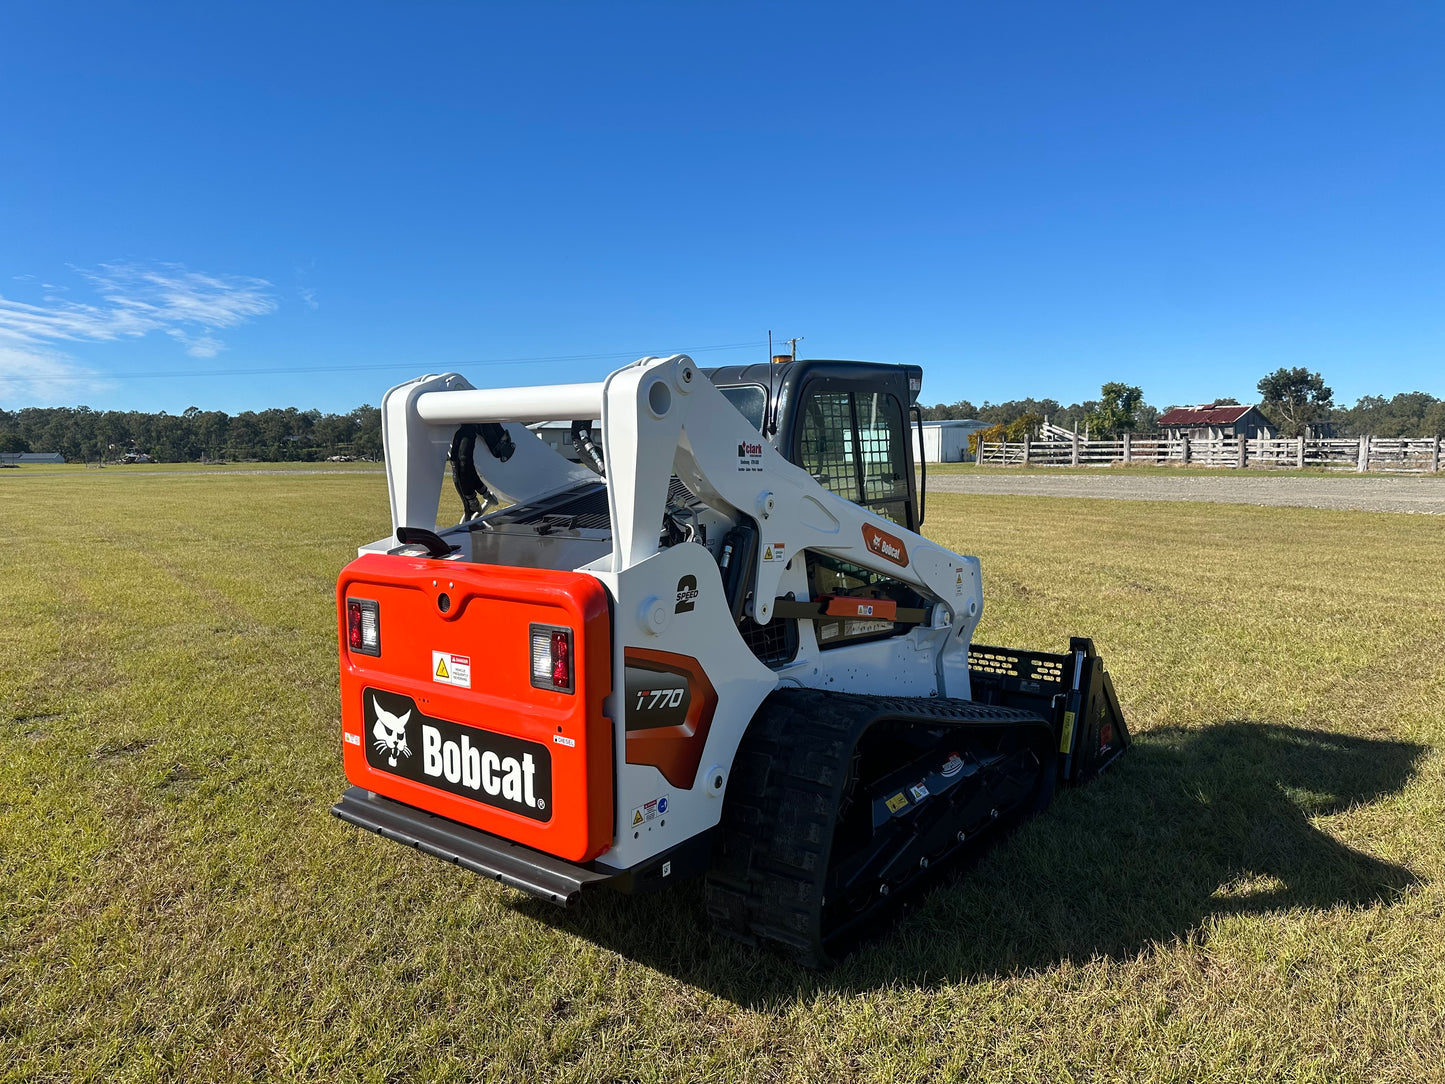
(1073, 690)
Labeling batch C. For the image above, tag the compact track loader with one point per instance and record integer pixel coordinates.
(706, 639)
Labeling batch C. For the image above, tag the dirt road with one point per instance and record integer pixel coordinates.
(1420, 496)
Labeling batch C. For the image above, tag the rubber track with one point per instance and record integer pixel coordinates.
(770, 865)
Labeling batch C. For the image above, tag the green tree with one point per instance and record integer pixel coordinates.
(1006, 413)
(13, 442)
(1025, 425)
(368, 431)
(1115, 414)
(1433, 423)
(1408, 414)
(944, 411)
(1293, 398)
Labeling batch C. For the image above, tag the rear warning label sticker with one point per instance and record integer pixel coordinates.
(649, 812)
(495, 769)
(449, 669)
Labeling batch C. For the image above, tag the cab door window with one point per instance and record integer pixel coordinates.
(851, 442)
(881, 448)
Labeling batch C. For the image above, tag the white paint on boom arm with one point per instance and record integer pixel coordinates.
(642, 413)
(662, 416)
(416, 452)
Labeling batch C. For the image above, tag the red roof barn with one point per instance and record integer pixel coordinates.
(1210, 422)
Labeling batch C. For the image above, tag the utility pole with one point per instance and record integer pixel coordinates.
(794, 344)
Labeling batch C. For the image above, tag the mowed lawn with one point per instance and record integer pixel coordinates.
(1253, 894)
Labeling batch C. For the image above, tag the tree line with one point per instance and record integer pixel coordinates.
(276, 435)
(1294, 400)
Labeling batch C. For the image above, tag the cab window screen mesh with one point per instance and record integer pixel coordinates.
(827, 443)
(879, 424)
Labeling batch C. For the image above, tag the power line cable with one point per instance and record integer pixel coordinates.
(288, 370)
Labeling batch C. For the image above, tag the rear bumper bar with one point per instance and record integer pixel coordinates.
(530, 870)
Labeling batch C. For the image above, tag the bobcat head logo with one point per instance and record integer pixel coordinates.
(390, 733)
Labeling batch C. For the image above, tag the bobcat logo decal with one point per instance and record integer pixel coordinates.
(390, 733)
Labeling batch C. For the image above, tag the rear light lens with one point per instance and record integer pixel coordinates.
(551, 658)
(363, 626)
(561, 661)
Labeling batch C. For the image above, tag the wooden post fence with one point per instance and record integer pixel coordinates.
(1390, 455)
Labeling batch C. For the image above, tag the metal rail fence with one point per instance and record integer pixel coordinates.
(1393, 455)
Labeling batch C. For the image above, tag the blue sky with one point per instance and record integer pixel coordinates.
(237, 206)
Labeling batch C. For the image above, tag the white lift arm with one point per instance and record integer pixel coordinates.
(661, 416)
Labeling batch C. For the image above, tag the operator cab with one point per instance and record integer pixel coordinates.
(844, 422)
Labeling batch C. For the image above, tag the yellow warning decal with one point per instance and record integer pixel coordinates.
(768, 554)
(1067, 738)
(897, 802)
(442, 668)
(636, 817)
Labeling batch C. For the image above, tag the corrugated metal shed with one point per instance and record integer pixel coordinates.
(946, 441)
(31, 457)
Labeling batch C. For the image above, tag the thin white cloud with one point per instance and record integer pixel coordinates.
(135, 300)
(198, 346)
(306, 293)
(170, 294)
(30, 375)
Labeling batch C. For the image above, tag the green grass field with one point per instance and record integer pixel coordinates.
(115, 471)
(1253, 894)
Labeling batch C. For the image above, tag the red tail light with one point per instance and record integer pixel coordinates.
(561, 661)
(551, 658)
(363, 626)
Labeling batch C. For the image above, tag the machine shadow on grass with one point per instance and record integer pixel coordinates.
(1193, 823)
